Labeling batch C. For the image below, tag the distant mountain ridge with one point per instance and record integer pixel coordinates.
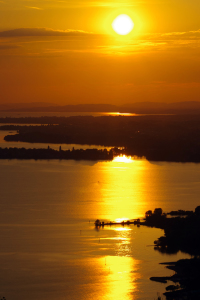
(137, 107)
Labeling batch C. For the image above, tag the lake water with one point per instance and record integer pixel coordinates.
(49, 246)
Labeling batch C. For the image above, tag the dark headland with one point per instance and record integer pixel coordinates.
(181, 233)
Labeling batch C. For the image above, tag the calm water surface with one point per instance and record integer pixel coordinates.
(49, 246)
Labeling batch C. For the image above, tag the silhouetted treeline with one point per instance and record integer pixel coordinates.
(158, 138)
(180, 212)
(88, 154)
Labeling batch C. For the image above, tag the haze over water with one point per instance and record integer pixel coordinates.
(50, 248)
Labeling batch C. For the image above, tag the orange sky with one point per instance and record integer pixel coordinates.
(66, 52)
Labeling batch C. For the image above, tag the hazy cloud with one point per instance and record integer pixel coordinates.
(111, 4)
(7, 46)
(185, 35)
(42, 4)
(96, 3)
(33, 7)
(78, 41)
(22, 32)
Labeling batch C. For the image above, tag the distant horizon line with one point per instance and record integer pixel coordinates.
(134, 107)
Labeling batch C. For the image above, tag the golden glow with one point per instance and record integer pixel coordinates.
(131, 67)
(123, 159)
(121, 190)
(120, 220)
(123, 24)
(120, 278)
(121, 229)
(120, 114)
(122, 268)
(111, 17)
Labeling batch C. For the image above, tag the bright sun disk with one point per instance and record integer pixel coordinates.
(123, 25)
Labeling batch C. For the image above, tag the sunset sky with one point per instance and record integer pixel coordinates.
(66, 51)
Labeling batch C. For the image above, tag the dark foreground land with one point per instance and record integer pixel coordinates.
(158, 138)
(182, 233)
(186, 279)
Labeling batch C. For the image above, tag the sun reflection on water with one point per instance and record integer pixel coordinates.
(121, 114)
(121, 278)
(121, 268)
(119, 220)
(121, 189)
(123, 159)
(121, 229)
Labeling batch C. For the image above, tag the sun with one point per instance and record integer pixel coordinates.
(123, 24)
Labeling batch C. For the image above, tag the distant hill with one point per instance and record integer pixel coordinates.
(192, 107)
(163, 108)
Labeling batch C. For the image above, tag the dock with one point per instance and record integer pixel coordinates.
(98, 223)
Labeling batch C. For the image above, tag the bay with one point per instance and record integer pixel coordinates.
(50, 248)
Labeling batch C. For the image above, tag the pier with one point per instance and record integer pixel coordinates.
(98, 223)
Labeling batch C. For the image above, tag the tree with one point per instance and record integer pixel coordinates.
(158, 211)
(148, 213)
(197, 210)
